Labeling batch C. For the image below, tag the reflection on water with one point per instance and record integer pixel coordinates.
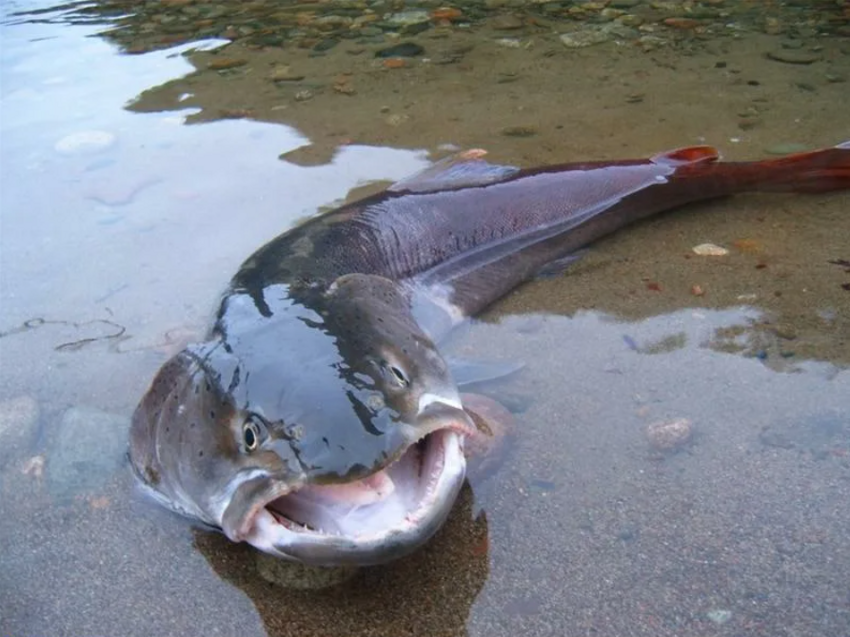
(120, 224)
(429, 593)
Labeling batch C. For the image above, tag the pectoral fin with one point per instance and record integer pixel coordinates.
(472, 372)
(486, 450)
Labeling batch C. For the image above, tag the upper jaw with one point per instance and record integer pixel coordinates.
(389, 529)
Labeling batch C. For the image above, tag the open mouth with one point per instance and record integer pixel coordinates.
(368, 521)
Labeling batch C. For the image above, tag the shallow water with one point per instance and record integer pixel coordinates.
(135, 180)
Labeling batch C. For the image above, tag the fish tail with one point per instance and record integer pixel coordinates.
(816, 171)
(812, 172)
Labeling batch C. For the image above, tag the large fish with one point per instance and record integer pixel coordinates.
(319, 421)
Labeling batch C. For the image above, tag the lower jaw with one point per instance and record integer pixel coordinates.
(279, 536)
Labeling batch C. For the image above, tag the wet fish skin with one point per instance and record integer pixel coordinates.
(325, 343)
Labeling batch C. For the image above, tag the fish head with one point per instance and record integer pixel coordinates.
(329, 435)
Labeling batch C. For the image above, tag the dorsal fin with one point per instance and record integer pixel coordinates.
(462, 169)
(687, 155)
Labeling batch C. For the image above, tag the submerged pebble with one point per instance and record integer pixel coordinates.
(403, 50)
(581, 39)
(710, 250)
(792, 56)
(408, 18)
(18, 424)
(669, 434)
(719, 616)
(300, 576)
(85, 451)
(82, 142)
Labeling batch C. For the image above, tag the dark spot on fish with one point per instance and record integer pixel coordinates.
(212, 414)
(209, 387)
(191, 425)
(327, 443)
(201, 454)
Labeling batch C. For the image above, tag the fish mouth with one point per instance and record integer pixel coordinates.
(369, 521)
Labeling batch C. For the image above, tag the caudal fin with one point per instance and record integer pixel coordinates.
(812, 172)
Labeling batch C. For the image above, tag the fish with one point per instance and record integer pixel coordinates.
(318, 420)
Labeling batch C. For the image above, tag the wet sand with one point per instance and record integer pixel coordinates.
(586, 529)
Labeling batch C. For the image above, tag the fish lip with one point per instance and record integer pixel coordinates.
(272, 532)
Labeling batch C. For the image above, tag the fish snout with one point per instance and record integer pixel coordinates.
(438, 412)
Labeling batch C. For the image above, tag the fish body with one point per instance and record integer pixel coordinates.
(318, 420)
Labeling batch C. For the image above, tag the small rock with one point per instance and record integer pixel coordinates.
(88, 447)
(83, 142)
(630, 20)
(581, 39)
(611, 14)
(519, 131)
(784, 331)
(300, 576)
(408, 18)
(343, 85)
(303, 96)
(447, 13)
(773, 26)
(34, 467)
(330, 22)
(790, 56)
(403, 50)
(18, 426)
(507, 22)
(284, 74)
(221, 64)
(510, 43)
(682, 23)
(669, 435)
(326, 45)
(623, 4)
(710, 250)
(697, 290)
(719, 616)
(747, 245)
(397, 119)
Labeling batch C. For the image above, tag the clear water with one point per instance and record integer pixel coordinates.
(132, 187)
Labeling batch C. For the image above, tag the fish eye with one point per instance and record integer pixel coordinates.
(251, 433)
(396, 374)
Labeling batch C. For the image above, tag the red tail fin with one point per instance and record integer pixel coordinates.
(816, 171)
(812, 172)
